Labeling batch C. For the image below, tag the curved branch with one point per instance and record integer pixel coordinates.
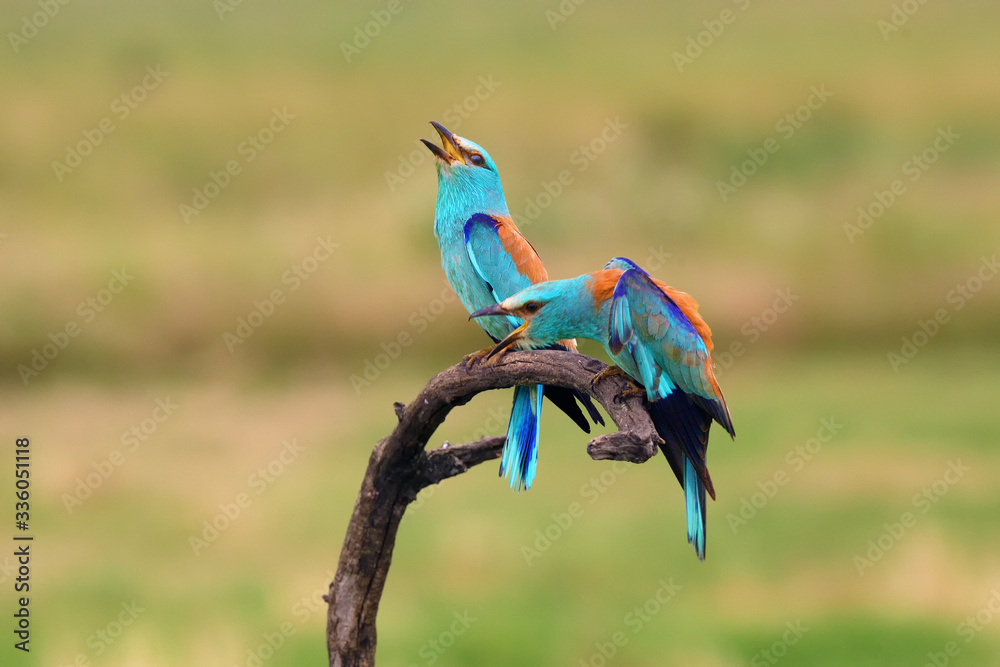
(399, 468)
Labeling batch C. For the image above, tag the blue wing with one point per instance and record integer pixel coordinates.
(507, 263)
(501, 256)
(674, 365)
(623, 263)
(668, 350)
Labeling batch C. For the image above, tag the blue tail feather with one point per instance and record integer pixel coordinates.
(694, 496)
(520, 452)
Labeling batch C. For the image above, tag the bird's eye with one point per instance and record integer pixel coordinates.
(477, 159)
(532, 307)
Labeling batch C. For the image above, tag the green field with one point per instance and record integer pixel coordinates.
(215, 229)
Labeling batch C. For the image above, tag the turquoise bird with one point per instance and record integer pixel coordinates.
(487, 260)
(655, 335)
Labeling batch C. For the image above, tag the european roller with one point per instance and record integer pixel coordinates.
(655, 335)
(487, 260)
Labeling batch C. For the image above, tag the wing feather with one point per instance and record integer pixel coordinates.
(685, 302)
(676, 344)
(505, 260)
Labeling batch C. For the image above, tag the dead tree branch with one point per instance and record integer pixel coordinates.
(400, 467)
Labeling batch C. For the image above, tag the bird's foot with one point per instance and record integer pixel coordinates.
(607, 372)
(470, 360)
(492, 361)
(632, 391)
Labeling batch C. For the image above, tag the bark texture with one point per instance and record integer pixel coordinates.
(400, 467)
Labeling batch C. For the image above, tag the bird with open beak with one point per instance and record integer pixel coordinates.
(487, 260)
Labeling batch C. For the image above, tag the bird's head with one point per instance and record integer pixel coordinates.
(550, 314)
(467, 170)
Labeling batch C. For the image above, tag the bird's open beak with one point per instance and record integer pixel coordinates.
(449, 153)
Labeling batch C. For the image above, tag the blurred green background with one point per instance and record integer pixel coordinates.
(812, 557)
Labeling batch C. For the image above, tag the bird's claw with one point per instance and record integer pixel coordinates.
(632, 391)
(470, 360)
(606, 372)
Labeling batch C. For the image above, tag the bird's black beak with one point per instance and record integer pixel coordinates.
(450, 152)
(495, 309)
